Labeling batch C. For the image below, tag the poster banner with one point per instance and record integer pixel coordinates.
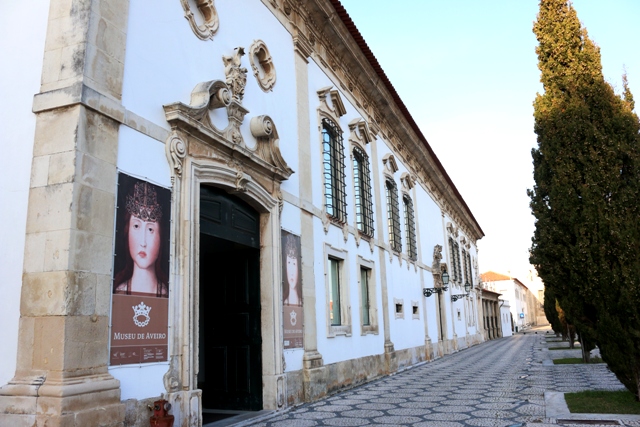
(293, 317)
(140, 300)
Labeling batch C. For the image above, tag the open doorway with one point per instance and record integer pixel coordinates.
(230, 344)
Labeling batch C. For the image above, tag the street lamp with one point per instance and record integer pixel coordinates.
(427, 292)
(467, 288)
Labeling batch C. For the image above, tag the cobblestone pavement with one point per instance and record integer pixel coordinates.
(498, 383)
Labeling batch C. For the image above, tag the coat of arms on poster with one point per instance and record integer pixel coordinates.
(140, 302)
(292, 291)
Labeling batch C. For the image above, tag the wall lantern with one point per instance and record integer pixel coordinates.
(467, 288)
(427, 292)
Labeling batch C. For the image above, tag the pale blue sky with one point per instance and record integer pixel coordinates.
(467, 71)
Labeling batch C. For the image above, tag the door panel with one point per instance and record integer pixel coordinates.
(231, 345)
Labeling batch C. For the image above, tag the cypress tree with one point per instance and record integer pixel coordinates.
(585, 198)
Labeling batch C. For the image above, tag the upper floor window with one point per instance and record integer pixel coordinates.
(455, 260)
(393, 216)
(465, 268)
(410, 227)
(334, 175)
(467, 261)
(362, 184)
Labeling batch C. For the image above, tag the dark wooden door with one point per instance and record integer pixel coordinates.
(230, 341)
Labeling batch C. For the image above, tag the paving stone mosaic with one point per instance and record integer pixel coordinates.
(499, 383)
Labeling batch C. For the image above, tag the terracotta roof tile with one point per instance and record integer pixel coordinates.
(492, 276)
(362, 44)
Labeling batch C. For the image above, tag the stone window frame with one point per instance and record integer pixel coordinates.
(345, 309)
(415, 310)
(398, 302)
(373, 326)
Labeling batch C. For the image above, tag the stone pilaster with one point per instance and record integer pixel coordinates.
(61, 376)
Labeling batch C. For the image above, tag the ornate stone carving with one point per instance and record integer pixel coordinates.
(236, 74)
(280, 202)
(337, 109)
(176, 150)
(195, 118)
(408, 181)
(452, 229)
(242, 179)
(437, 258)
(236, 113)
(326, 222)
(206, 13)
(262, 65)
(171, 378)
(360, 131)
(390, 165)
(268, 147)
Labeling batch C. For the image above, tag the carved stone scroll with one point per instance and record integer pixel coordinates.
(176, 151)
(268, 148)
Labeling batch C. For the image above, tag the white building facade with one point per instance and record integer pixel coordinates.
(301, 217)
(525, 308)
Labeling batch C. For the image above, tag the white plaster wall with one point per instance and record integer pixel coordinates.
(433, 320)
(23, 27)
(165, 61)
(143, 157)
(340, 348)
(505, 315)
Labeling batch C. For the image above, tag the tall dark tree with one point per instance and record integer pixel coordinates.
(550, 310)
(585, 198)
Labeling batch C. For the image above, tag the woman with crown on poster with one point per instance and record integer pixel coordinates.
(142, 273)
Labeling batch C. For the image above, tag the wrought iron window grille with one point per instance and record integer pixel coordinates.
(334, 175)
(393, 216)
(410, 228)
(362, 186)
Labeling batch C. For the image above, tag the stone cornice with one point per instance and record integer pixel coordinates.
(321, 33)
(81, 94)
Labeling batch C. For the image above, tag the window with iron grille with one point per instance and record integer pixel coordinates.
(455, 260)
(468, 262)
(410, 227)
(362, 184)
(334, 175)
(464, 263)
(393, 216)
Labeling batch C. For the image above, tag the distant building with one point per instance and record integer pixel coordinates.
(524, 305)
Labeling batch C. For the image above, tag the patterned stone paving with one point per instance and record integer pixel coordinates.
(499, 383)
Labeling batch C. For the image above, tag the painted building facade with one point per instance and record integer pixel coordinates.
(228, 205)
(525, 307)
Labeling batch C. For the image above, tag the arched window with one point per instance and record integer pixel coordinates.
(410, 227)
(393, 216)
(334, 176)
(362, 184)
